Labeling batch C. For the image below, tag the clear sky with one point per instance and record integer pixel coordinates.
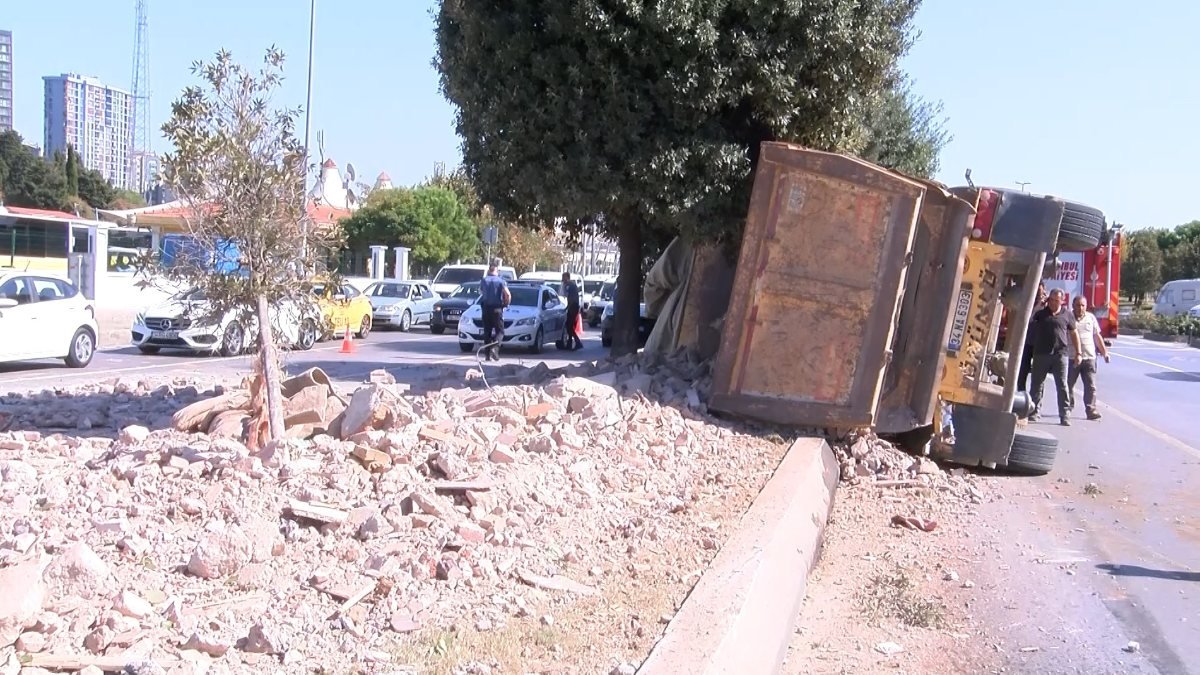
(1092, 100)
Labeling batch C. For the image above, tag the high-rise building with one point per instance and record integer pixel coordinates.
(6, 81)
(95, 119)
(145, 167)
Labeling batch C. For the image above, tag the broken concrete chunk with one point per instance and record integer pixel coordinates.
(21, 596)
(134, 434)
(369, 408)
(132, 605)
(219, 554)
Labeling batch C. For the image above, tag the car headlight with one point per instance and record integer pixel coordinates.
(437, 308)
(527, 321)
(387, 309)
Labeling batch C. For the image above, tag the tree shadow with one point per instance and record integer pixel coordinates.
(1138, 571)
(1170, 376)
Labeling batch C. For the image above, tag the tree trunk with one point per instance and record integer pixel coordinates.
(626, 314)
(270, 368)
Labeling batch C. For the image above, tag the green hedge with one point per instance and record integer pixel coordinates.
(1163, 325)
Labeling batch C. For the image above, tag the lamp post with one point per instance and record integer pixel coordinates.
(312, 30)
(1022, 183)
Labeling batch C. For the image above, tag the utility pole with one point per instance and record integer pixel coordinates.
(1023, 183)
(312, 31)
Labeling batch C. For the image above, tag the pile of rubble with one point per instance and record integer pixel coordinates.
(867, 460)
(181, 551)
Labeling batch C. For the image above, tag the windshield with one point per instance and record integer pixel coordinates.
(468, 291)
(608, 290)
(318, 290)
(524, 296)
(457, 275)
(389, 290)
(592, 287)
(194, 295)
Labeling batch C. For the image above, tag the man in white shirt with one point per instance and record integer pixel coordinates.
(1090, 342)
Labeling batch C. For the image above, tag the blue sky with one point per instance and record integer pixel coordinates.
(1093, 100)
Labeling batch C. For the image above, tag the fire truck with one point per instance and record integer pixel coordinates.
(1096, 275)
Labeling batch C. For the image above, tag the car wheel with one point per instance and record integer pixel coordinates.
(538, 338)
(83, 348)
(233, 340)
(1033, 452)
(592, 323)
(466, 347)
(308, 335)
(405, 321)
(1081, 228)
(437, 330)
(364, 328)
(148, 350)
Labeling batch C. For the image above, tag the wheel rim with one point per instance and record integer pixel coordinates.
(83, 347)
(366, 325)
(406, 321)
(233, 338)
(308, 335)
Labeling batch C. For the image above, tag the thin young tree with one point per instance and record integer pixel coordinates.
(239, 166)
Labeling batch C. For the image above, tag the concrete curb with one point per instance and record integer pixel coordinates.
(740, 616)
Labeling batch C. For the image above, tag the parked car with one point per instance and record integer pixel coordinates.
(590, 290)
(600, 303)
(451, 277)
(645, 325)
(448, 310)
(535, 316)
(185, 322)
(342, 307)
(400, 304)
(42, 317)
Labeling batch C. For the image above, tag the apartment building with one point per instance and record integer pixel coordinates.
(6, 80)
(97, 120)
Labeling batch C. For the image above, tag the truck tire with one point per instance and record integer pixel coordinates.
(1081, 228)
(1033, 452)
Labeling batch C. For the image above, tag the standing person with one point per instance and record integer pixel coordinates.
(1054, 339)
(1026, 352)
(1090, 342)
(571, 290)
(494, 296)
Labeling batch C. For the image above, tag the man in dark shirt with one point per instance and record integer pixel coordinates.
(1026, 352)
(1053, 339)
(571, 290)
(494, 296)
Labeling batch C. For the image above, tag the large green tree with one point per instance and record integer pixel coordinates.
(1141, 265)
(651, 113)
(72, 170)
(903, 131)
(95, 189)
(29, 180)
(431, 221)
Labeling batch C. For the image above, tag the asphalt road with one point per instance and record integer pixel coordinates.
(410, 357)
(1124, 563)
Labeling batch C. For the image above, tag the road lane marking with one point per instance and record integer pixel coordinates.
(1160, 435)
(1158, 365)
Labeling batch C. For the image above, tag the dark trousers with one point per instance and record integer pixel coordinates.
(1026, 368)
(1056, 365)
(1087, 370)
(493, 327)
(573, 341)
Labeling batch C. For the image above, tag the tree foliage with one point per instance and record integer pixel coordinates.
(126, 199)
(431, 221)
(94, 189)
(1141, 265)
(652, 113)
(238, 165)
(903, 131)
(28, 180)
(72, 169)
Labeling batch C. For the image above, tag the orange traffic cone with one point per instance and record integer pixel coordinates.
(348, 342)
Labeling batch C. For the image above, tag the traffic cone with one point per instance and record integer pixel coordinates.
(348, 342)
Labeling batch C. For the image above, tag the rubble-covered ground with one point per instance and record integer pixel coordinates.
(551, 526)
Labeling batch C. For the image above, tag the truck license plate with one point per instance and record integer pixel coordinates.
(165, 334)
(958, 329)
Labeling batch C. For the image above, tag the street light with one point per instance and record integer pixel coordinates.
(1023, 183)
(312, 29)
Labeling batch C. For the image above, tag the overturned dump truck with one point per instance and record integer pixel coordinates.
(863, 298)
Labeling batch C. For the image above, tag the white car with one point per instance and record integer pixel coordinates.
(401, 304)
(1194, 312)
(451, 277)
(535, 316)
(181, 323)
(42, 317)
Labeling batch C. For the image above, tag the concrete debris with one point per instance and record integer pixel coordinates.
(888, 648)
(1133, 647)
(165, 531)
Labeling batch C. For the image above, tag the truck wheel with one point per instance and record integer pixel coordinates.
(1081, 228)
(1033, 452)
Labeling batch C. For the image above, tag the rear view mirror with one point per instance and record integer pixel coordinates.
(6, 303)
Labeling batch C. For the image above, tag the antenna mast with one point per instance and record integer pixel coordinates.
(139, 139)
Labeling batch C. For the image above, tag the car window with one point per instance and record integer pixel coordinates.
(1189, 295)
(17, 289)
(458, 275)
(426, 292)
(388, 290)
(468, 291)
(552, 298)
(524, 296)
(51, 289)
(350, 292)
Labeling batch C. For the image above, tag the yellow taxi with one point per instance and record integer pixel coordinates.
(343, 306)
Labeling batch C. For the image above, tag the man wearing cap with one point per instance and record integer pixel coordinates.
(494, 296)
(1090, 342)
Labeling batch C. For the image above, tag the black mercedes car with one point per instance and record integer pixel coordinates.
(447, 310)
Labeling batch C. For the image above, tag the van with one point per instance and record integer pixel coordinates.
(1177, 297)
(451, 277)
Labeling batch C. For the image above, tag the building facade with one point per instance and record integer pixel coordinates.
(95, 119)
(6, 80)
(145, 168)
